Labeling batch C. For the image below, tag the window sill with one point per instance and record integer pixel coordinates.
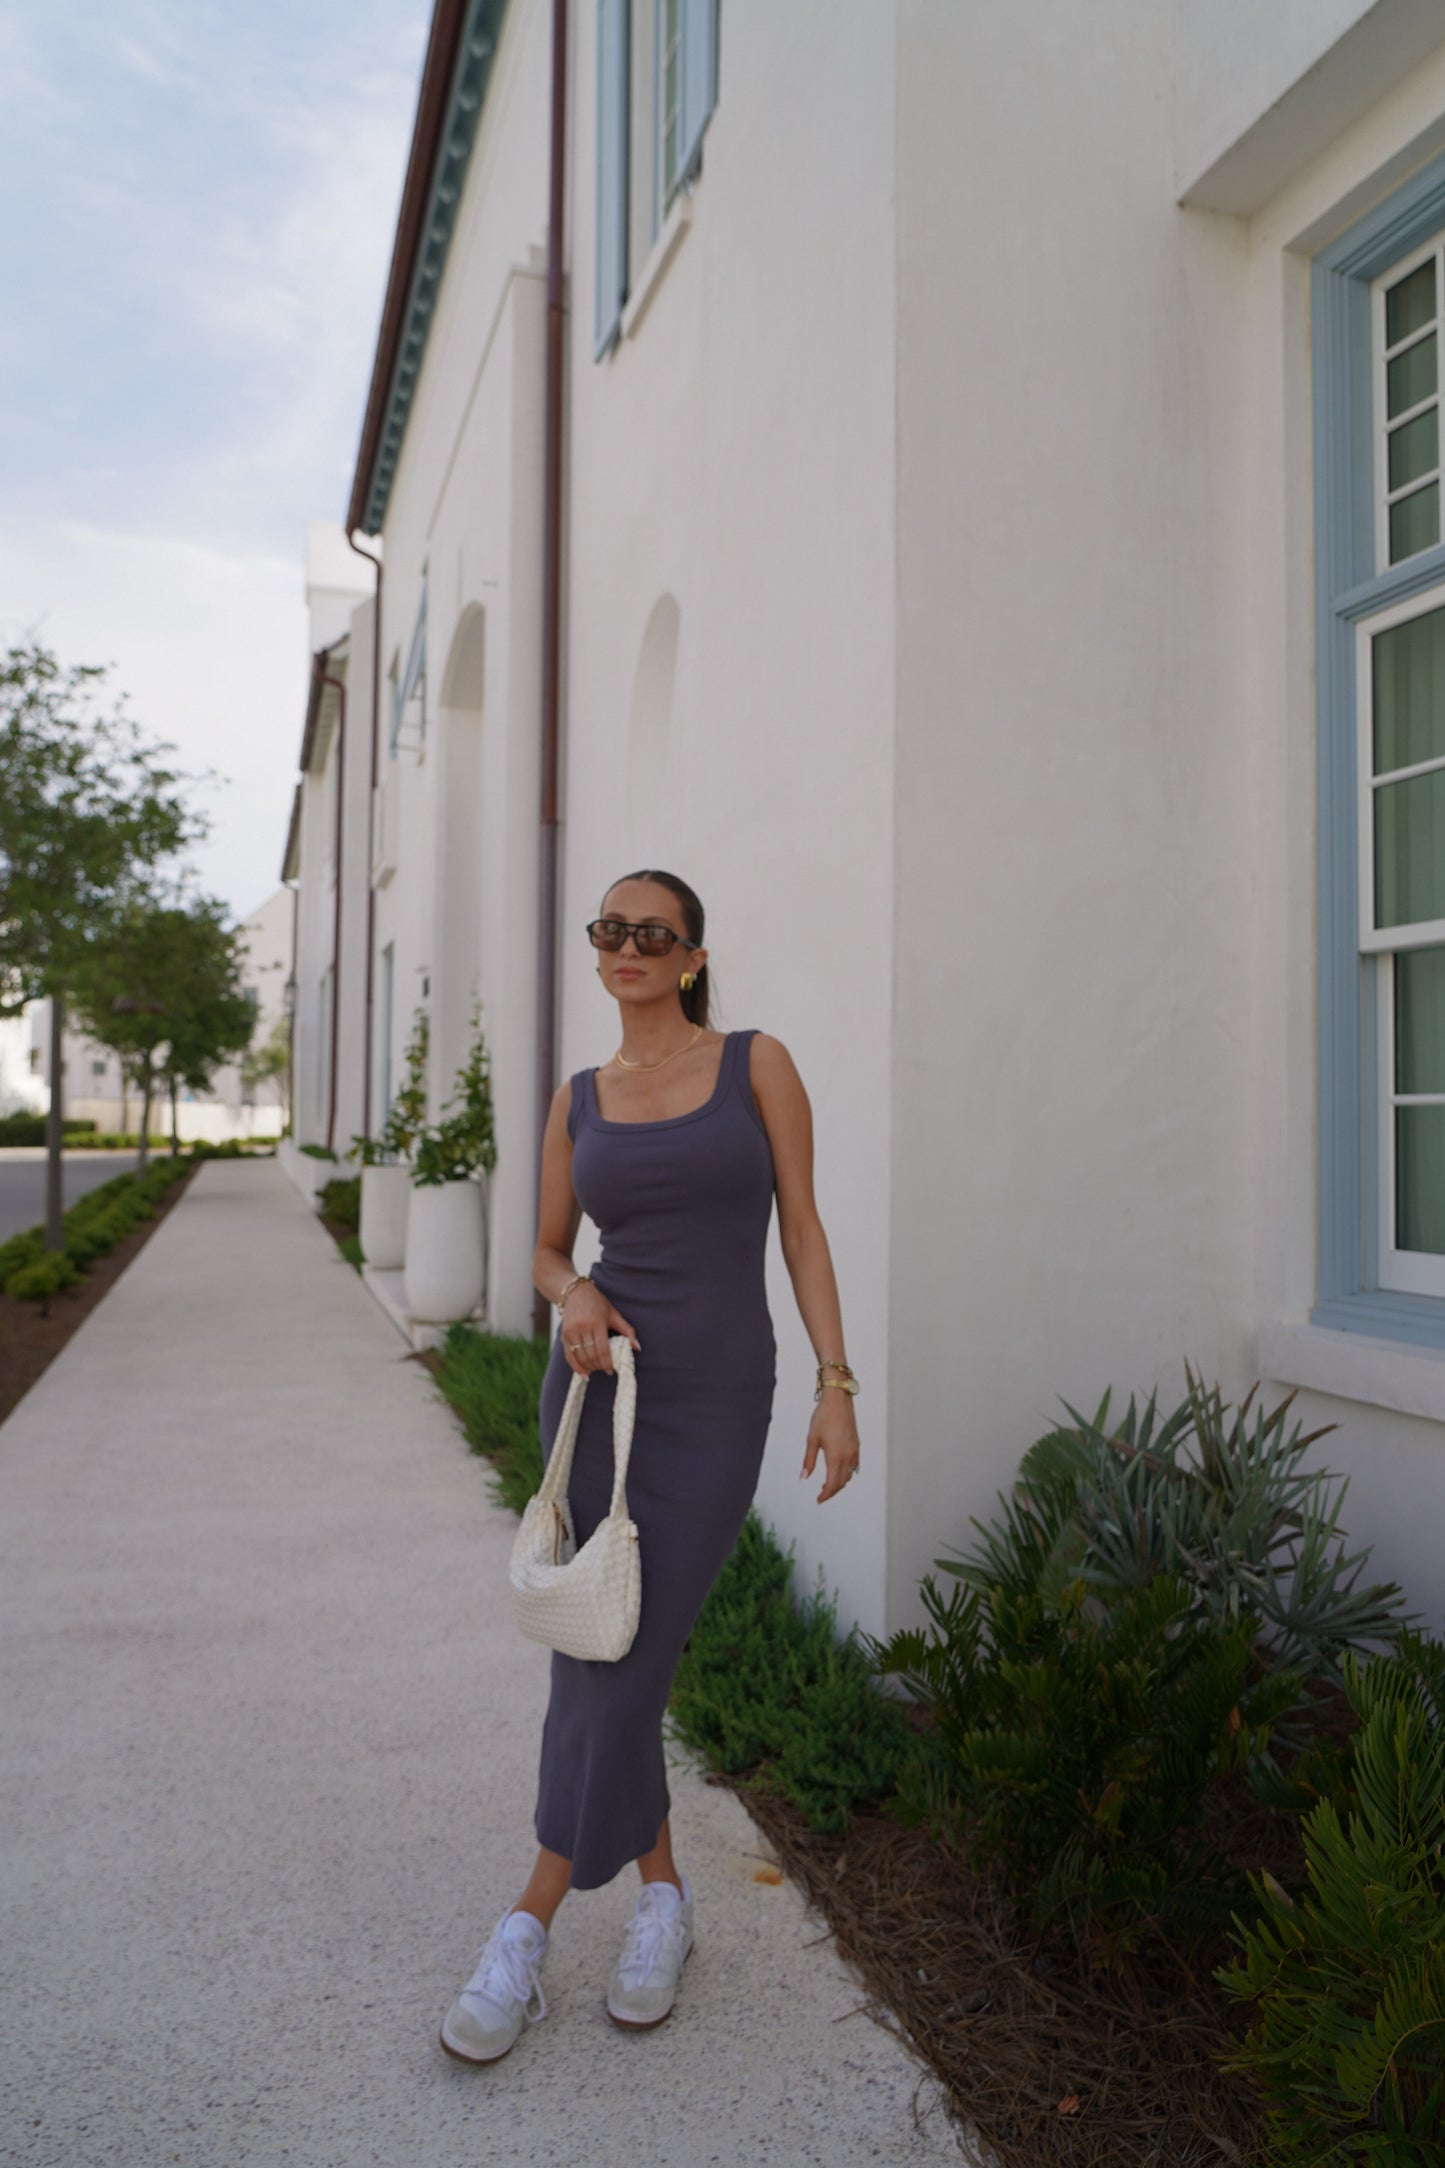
(663, 249)
(1354, 1366)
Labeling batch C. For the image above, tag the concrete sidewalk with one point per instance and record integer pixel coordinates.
(270, 1746)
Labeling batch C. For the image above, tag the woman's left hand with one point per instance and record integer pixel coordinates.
(833, 1432)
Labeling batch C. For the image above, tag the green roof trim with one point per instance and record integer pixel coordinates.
(458, 133)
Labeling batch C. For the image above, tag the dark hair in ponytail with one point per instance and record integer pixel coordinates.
(695, 999)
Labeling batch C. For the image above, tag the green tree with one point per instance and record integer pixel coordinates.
(161, 985)
(88, 811)
(268, 1061)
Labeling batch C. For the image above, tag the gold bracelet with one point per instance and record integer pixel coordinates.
(843, 1385)
(834, 1362)
(575, 1282)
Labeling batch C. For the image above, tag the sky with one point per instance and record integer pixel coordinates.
(200, 199)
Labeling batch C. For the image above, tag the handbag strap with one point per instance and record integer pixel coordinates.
(558, 1471)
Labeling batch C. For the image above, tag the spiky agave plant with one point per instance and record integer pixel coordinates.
(1231, 1508)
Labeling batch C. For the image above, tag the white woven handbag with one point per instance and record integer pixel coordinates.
(585, 1603)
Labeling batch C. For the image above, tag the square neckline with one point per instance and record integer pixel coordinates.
(665, 1121)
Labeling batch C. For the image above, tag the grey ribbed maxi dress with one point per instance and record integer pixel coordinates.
(683, 1206)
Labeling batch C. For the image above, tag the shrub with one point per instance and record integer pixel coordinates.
(110, 1227)
(26, 1128)
(493, 1380)
(341, 1202)
(114, 1140)
(37, 1282)
(318, 1151)
(464, 1142)
(21, 1249)
(768, 1690)
(1348, 2045)
(1231, 1511)
(1075, 1745)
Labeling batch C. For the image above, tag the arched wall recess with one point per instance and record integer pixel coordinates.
(653, 771)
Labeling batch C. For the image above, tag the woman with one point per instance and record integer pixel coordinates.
(675, 1148)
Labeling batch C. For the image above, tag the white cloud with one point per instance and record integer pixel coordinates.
(210, 645)
(224, 247)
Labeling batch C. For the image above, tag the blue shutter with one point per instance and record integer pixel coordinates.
(614, 40)
(697, 79)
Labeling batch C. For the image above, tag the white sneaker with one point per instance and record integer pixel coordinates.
(658, 1938)
(486, 2017)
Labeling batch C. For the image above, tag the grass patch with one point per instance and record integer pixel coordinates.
(774, 1698)
(493, 1379)
(341, 1204)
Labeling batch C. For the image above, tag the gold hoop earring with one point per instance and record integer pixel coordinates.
(687, 980)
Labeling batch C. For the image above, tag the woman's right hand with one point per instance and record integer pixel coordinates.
(587, 1321)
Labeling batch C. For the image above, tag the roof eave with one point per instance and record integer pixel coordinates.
(455, 75)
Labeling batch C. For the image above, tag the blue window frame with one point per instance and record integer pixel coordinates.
(683, 36)
(1378, 339)
(411, 687)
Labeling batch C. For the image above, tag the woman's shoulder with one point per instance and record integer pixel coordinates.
(764, 1043)
(768, 1057)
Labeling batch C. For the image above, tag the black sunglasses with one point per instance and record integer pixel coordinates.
(651, 938)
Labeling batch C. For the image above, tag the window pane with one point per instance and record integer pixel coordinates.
(1410, 305)
(1415, 448)
(1410, 850)
(1410, 377)
(1420, 1020)
(1409, 692)
(1415, 523)
(1420, 1179)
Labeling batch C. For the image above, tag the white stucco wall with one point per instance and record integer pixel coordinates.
(466, 505)
(1234, 59)
(937, 602)
(733, 460)
(318, 930)
(1072, 1142)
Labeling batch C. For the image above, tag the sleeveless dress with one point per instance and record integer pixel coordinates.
(683, 1206)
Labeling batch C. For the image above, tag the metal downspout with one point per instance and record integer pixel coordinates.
(551, 614)
(371, 808)
(338, 686)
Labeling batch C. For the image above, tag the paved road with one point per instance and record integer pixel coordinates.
(270, 1753)
(22, 1181)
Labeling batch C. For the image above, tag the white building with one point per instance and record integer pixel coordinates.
(1001, 569)
(97, 1091)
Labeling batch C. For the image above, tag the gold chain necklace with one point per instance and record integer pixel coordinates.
(623, 1063)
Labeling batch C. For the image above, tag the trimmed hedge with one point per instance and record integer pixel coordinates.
(30, 1129)
(91, 1228)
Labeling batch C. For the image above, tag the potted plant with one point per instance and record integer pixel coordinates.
(446, 1260)
(385, 1175)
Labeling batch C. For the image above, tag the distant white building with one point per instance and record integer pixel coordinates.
(1001, 568)
(21, 1090)
(96, 1090)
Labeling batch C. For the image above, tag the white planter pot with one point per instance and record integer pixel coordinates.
(385, 1196)
(445, 1260)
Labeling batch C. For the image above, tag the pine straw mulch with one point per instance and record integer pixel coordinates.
(1044, 2059)
(32, 1334)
